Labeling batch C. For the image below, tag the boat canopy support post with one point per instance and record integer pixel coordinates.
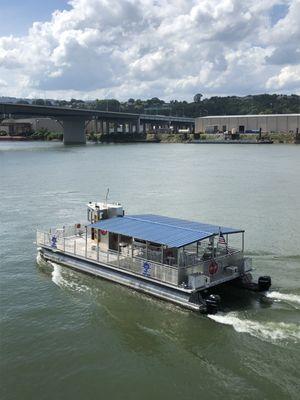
(85, 251)
(179, 251)
(243, 241)
(118, 246)
(98, 245)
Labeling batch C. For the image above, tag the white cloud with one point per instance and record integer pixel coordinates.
(3, 83)
(288, 77)
(145, 48)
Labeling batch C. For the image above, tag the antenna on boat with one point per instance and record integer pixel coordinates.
(106, 197)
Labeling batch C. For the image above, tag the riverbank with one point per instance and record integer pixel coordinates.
(13, 139)
(288, 138)
(284, 138)
(231, 142)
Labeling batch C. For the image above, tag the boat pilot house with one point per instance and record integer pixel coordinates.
(170, 258)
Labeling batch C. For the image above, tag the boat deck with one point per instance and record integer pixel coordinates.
(187, 277)
(79, 246)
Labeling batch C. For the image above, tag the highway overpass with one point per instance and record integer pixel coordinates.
(74, 120)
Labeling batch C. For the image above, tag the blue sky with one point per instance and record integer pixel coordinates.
(17, 16)
(145, 48)
(25, 12)
(277, 12)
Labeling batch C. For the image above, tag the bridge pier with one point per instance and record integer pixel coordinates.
(116, 127)
(74, 130)
(107, 127)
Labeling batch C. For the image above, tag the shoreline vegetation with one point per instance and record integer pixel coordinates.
(200, 106)
(154, 137)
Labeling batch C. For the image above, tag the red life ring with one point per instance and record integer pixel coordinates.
(213, 268)
(103, 232)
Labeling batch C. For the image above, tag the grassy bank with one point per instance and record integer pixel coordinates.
(275, 137)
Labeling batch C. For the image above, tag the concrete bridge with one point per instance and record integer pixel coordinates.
(74, 120)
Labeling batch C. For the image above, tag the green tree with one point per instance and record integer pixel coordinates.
(38, 102)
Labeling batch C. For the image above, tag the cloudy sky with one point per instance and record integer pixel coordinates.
(145, 48)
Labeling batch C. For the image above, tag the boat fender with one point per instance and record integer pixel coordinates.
(264, 283)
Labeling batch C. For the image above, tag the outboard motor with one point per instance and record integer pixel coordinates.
(264, 283)
(212, 303)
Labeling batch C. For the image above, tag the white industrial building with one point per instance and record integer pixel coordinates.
(271, 123)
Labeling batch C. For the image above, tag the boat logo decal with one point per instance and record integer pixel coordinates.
(54, 242)
(146, 268)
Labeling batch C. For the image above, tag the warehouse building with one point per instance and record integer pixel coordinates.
(24, 126)
(269, 123)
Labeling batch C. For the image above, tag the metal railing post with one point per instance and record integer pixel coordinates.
(178, 265)
(64, 244)
(85, 253)
(75, 246)
(118, 250)
(132, 252)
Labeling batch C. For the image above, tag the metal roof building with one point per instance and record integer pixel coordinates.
(271, 123)
(172, 232)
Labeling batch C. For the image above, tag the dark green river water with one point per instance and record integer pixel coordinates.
(65, 335)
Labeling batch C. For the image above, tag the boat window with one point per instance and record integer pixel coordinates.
(113, 241)
(139, 241)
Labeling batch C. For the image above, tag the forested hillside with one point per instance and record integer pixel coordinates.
(230, 105)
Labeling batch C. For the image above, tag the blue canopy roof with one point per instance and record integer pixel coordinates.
(172, 232)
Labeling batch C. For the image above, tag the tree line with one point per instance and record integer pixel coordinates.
(216, 105)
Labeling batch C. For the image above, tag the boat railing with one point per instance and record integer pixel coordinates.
(68, 230)
(214, 268)
(78, 245)
(157, 270)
